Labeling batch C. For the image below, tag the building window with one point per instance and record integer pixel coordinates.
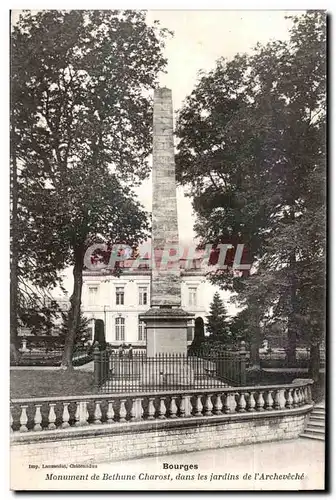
(143, 297)
(192, 296)
(120, 294)
(120, 328)
(93, 290)
(142, 331)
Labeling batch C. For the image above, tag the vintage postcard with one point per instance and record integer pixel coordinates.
(168, 240)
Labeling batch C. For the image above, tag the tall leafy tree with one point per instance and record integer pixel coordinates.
(81, 83)
(252, 150)
(82, 329)
(217, 324)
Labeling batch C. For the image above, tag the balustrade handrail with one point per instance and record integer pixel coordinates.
(176, 404)
(129, 395)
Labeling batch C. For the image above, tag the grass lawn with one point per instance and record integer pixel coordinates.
(40, 383)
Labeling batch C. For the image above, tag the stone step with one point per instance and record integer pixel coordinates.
(315, 428)
(317, 424)
(320, 416)
(320, 411)
(317, 418)
(312, 428)
(308, 435)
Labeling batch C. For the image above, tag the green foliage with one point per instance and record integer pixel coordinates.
(39, 320)
(217, 324)
(83, 328)
(252, 151)
(81, 129)
(198, 336)
(240, 326)
(99, 334)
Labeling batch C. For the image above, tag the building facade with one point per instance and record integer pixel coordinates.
(119, 301)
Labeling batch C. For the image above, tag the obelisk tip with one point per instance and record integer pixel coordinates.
(161, 92)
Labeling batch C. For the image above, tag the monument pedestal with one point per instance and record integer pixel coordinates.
(166, 330)
(167, 337)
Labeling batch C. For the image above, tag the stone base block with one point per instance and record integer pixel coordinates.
(166, 331)
(167, 374)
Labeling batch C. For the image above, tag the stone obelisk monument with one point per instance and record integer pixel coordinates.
(166, 322)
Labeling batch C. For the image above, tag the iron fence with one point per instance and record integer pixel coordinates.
(48, 356)
(277, 358)
(137, 373)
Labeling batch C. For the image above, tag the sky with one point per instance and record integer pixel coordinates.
(200, 38)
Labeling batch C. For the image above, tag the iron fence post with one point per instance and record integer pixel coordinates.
(243, 359)
(96, 364)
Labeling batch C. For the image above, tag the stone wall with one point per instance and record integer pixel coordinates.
(102, 443)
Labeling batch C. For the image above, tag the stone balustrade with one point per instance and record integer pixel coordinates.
(43, 414)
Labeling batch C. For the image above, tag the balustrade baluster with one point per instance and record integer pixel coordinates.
(227, 407)
(77, 414)
(23, 419)
(241, 403)
(97, 413)
(37, 418)
(162, 409)
(122, 411)
(208, 406)
(302, 396)
(82, 414)
(52, 416)
(151, 409)
(260, 401)
(251, 403)
(172, 408)
(289, 399)
(110, 413)
(141, 410)
(182, 407)
(133, 410)
(277, 405)
(269, 401)
(299, 396)
(308, 394)
(65, 416)
(218, 405)
(305, 394)
(295, 398)
(234, 402)
(198, 406)
(138, 410)
(188, 407)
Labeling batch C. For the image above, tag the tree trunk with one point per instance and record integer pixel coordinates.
(291, 344)
(292, 323)
(254, 354)
(255, 344)
(14, 257)
(74, 311)
(314, 362)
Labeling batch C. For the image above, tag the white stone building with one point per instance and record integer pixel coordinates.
(118, 301)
